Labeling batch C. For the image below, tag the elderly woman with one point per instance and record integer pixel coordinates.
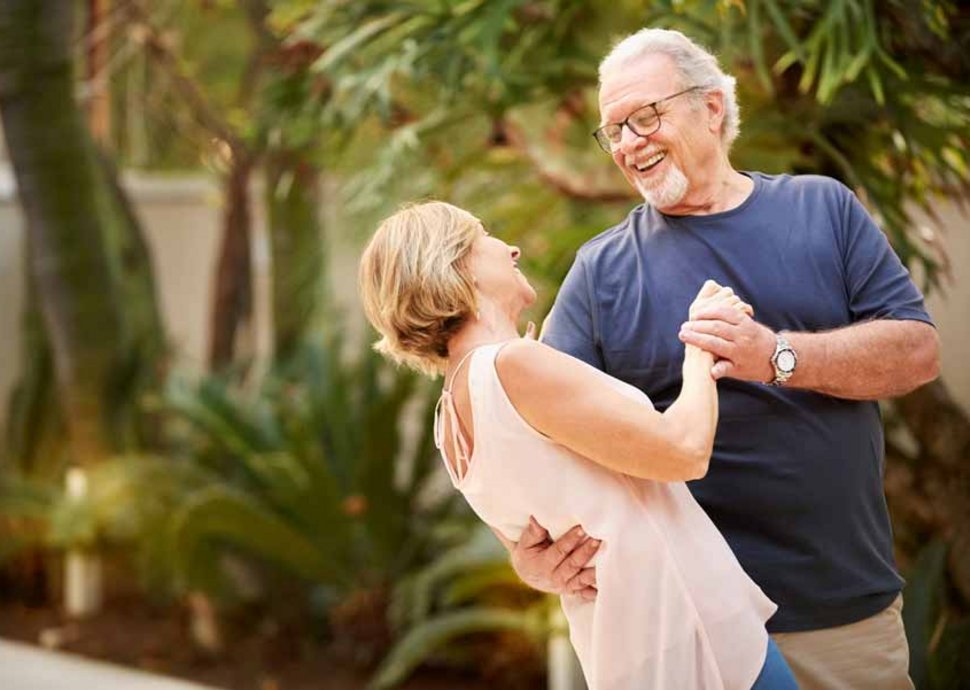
(527, 431)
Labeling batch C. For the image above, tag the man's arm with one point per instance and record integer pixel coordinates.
(865, 361)
(889, 349)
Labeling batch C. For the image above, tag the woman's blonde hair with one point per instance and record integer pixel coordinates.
(415, 282)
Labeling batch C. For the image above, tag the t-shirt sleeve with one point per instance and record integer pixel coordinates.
(571, 324)
(879, 286)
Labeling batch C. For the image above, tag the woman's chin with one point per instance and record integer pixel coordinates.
(530, 296)
(528, 299)
(526, 286)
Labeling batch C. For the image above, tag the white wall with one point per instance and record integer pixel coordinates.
(951, 308)
(181, 218)
(11, 289)
(181, 221)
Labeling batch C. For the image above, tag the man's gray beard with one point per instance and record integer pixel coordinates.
(670, 192)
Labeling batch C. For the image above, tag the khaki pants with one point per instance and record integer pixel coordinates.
(871, 653)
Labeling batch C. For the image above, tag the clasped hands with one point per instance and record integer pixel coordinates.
(723, 324)
(720, 323)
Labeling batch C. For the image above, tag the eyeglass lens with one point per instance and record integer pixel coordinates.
(642, 122)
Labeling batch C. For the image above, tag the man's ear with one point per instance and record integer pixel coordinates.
(714, 103)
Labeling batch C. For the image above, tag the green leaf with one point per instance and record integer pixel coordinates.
(860, 60)
(755, 44)
(920, 614)
(468, 586)
(875, 84)
(342, 49)
(221, 515)
(24, 498)
(950, 665)
(784, 29)
(423, 640)
(415, 595)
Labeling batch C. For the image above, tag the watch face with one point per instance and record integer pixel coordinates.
(786, 360)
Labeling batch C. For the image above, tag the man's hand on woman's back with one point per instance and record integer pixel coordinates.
(558, 567)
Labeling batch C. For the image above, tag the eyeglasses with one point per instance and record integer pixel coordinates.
(643, 122)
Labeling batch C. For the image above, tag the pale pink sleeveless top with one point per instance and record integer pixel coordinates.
(674, 611)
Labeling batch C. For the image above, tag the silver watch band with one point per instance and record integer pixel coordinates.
(783, 349)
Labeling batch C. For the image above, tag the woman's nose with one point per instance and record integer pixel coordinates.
(515, 253)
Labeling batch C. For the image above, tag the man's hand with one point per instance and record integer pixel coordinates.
(560, 566)
(743, 346)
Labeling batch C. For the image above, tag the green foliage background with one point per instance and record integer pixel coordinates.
(305, 475)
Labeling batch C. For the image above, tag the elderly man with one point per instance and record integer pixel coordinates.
(795, 483)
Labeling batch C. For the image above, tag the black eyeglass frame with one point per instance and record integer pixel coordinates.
(607, 145)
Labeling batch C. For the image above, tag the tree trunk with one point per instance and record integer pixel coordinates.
(233, 302)
(35, 424)
(77, 233)
(145, 356)
(232, 308)
(293, 204)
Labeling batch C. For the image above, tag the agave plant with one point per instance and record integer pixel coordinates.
(468, 590)
(314, 473)
(938, 640)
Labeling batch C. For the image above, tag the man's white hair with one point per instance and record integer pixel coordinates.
(696, 65)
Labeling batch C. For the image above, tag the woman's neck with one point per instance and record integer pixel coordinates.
(478, 332)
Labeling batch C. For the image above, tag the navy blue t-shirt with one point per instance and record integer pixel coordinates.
(795, 482)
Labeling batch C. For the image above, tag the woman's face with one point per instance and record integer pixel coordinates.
(494, 264)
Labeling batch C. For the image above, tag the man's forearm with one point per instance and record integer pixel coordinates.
(866, 361)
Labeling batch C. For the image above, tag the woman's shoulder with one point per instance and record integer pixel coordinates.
(531, 370)
(527, 358)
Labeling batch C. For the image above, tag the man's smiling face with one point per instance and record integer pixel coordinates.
(661, 165)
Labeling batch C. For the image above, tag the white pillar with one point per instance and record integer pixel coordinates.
(563, 670)
(82, 569)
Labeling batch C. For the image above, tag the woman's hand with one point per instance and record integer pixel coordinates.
(713, 295)
(717, 328)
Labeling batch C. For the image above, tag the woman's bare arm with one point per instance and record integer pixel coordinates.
(573, 405)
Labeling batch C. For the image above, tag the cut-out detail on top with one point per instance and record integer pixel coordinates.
(457, 467)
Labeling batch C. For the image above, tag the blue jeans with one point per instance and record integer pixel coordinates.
(775, 674)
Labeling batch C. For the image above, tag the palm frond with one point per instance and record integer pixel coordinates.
(219, 515)
(428, 637)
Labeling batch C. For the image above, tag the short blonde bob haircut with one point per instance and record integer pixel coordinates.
(416, 285)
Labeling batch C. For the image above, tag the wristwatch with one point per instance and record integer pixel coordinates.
(783, 360)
